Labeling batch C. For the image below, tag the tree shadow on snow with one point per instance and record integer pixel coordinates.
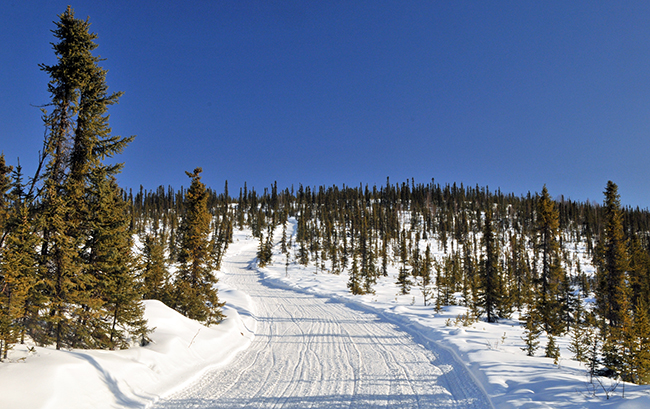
(120, 398)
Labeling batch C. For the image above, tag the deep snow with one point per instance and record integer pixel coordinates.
(182, 349)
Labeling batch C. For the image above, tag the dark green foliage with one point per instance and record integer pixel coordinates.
(580, 335)
(154, 273)
(611, 261)
(368, 232)
(639, 358)
(403, 279)
(425, 276)
(265, 249)
(17, 260)
(490, 295)
(111, 265)
(532, 332)
(79, 214)
(552, 350)
(551, 273)
(195, 293)
(354, 283)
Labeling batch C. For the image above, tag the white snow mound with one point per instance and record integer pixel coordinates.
(181, 350)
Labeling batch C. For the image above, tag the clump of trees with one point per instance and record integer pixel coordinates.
(66, 255)
(68, 273)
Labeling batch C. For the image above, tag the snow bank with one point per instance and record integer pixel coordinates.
(181, 350)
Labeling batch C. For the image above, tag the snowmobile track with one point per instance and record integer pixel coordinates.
(310, 352)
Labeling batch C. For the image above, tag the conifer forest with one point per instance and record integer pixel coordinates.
(79, 254)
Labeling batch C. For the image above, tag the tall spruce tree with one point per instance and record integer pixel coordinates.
(613, 296)
(195, 285)
(552, 273)
(490, 294)
(611, 261)
(78, 140)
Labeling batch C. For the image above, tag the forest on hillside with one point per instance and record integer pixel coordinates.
(501, 254)
(78, 254)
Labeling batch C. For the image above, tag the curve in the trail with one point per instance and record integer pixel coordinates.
(310, 352)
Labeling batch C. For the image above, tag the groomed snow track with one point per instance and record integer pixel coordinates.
(315, 352)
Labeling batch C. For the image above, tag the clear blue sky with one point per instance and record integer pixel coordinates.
(509, 94)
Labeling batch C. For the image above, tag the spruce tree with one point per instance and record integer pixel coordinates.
(552, 350)
(640, 354)
(17, 262)
(551, 273)
(195, 294)
(611, 260)
(111, 264)
(403, 279)
(425, 274)
(579, 344)
(354, 281)
(265, 249)
(153, 266)
(490, 291)
(613, 291)
(78, 140)
(532, 332)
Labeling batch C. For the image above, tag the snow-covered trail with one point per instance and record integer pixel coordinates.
(312, 352)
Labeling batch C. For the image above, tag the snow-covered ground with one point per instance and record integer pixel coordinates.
(311, 352)
(492, 352)
(275, 348)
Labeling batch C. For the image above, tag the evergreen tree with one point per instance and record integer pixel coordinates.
(78, 140)
(265, 250)
(153, 265)
(579, 345)
(354, 282)
(613, 291)
(551, 273)
(195, 292)
(552, 350)
(403, 279)
(17, 262)
(532, 332)
(111, 264)
(425, 274)
(611, 261)
(490, 291)
(640, 353)
(639, 272)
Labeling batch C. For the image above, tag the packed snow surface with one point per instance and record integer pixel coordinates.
(295, 338)
(315, 352)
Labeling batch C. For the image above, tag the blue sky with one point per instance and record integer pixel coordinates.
(509, 94)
